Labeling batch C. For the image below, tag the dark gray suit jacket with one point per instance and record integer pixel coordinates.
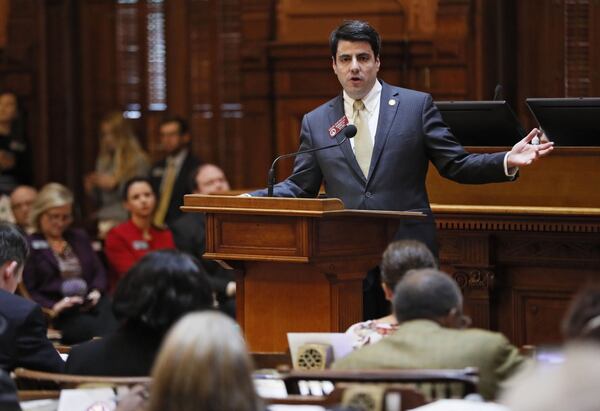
(410, 133)
(23, 341)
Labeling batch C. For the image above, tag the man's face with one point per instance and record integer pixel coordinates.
(356, 67)
(211, 180)
(170, 138)
(20, 201)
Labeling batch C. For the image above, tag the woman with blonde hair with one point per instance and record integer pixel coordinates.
(63, 272)
(203, 365)
(121, 158)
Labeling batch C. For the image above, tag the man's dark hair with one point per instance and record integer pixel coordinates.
(402, 256)
(191, 180)
(132, 181)
(425, 294)
(13, 245)
(355, 30)
(162, 287)
(181, 123)
(582, 320)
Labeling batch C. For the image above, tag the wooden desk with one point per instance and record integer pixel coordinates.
(521, 250)
(302, 260)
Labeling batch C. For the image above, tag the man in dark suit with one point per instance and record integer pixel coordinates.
(169, 176)
(23, 341)
(399, 132)
(189, 235)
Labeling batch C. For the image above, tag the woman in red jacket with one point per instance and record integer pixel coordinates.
(130, 241)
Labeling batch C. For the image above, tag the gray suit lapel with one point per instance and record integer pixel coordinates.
(335, 113)
(387, 113)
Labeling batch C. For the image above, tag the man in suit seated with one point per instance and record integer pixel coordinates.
(169, 176)
(23, 341)
(428, 306)
(189, 234)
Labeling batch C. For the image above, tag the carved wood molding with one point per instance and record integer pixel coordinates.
(553, 224)
(474, 279)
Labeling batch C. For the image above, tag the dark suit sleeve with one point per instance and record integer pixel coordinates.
(33, 349)
(306, 177)
(451, 159)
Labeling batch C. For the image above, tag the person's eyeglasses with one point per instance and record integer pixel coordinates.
(56, 217)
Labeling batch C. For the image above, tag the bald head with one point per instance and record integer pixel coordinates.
(21, 200)
(210, 179)
(427, 294)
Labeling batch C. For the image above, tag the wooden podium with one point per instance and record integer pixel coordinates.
(303, 260)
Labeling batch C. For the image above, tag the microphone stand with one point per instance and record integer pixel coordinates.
(349, 132)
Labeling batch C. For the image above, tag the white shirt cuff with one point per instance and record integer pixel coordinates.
(513, 171)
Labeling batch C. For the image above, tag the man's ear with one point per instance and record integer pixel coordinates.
(12, 268)
(8, 269)
(452, 319)
(387, 291)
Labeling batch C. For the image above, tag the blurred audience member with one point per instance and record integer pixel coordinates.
(153, 295)
(189, 234)
(23, 341)
(128, 242)
(203, 365)
(15, 162)
(571, 385)
(398, 258)
(169, 176)
(582, 321)
(63, 272)
(121, 158)
(428, 306)
(21, 200)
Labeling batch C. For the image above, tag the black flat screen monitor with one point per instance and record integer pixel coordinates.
(568, 121)
(481, 123)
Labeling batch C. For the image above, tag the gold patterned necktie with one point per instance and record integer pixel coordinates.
(165, 195)
(363, 143)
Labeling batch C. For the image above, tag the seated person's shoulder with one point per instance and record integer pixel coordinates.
(16, 305)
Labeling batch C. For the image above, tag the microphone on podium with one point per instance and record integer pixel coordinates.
(498, 92)
(349, 132)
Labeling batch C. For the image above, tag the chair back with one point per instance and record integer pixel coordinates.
(433, 384)
(39, 380)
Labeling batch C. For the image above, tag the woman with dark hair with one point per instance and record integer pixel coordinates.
(582, 321)
(155, 293)
(15, 162)
(203, 365)
(128, 242)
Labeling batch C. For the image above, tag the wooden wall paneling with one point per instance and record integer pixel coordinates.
(97, 46)
(230, 144)
(178, 53)
(311, 21)
(61, 55)
(594, 50)
(21, 66)
(521, 271)
(540, 53)
(256, 85)
(204, 78)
